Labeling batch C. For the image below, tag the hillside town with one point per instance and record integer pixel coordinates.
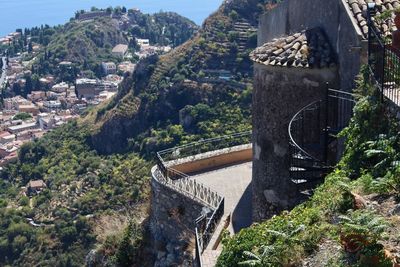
(49, 104)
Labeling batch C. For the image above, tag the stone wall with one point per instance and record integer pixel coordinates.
(279, 93)
(333, 16)
(173, 212)
(292, 16)
(172, 224)
(214, 160)
(352, 49)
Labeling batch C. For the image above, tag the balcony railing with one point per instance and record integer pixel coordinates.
(183, 183)
(383, 63)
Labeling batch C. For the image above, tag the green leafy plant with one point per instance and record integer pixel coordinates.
(265, 258)
(361, 229)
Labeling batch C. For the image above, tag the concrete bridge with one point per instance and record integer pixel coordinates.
(198, 191)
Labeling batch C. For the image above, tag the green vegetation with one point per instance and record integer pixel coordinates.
(87, 44)
(84, 44)
(181, 97)
(368, 166)
(163, 28)
(172, 99)
(82, 187)
(23, 116)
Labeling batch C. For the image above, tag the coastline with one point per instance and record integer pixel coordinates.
(25, 14)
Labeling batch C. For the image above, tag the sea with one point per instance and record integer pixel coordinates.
(16, 14)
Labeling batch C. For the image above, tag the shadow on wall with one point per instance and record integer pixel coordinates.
(242, 214)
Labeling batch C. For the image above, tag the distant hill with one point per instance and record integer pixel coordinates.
(199, 90)
(164, 28)
(87, 43)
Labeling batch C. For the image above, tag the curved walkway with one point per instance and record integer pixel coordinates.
(234, 183)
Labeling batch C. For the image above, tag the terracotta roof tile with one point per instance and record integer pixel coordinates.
(307, 49)
(359, 10)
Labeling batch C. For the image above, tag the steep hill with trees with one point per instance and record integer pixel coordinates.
(87, 43)
(94, 207)
(199, 90)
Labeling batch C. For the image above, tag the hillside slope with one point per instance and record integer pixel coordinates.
(202, 88)
(88, 43)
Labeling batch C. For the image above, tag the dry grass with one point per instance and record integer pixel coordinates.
(114, 223)
(108, 225)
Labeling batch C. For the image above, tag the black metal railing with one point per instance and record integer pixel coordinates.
(305, 143)
(383, 63)
(183, 183)
(203, 146)
(197, 259)
(312, 136)
(376, 56)
(211, 226)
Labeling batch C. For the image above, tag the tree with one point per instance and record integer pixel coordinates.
(68, 235)
(16, 88)
(22, 116)
(128, 248)
(28, 85)
(30, 47)
(234, 15)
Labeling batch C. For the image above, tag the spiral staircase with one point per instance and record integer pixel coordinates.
(314, 145)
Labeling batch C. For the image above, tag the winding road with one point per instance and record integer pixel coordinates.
(3, 72)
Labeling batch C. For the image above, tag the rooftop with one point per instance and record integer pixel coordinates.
(306, 49)
(37, 184)
(86, 81)
(359, 11)
(22, 126)
(120, 48)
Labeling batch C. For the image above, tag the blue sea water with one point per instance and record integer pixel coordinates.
(28, 13)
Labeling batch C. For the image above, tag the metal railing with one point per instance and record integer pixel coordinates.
(203, 146)
(190, 188)
(383, 63)
(184, 184)
(307, 119)
(313, 130)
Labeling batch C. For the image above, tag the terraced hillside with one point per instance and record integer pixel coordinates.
(202, 88)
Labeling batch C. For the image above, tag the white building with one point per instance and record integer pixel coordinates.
(22, 127)
(52, 105)
(109, 68)
(143, 43)
(60, 87)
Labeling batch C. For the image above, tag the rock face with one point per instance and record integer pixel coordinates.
(126, 118)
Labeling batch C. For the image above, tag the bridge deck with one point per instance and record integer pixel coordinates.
(233, 183)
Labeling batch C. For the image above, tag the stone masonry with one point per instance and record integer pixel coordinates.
(172, 225)
(278, 94)
(286, 79)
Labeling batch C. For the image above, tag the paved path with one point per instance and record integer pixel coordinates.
(234, 184)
